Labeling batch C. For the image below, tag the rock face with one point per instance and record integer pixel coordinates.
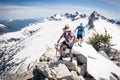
(92, 18)
(49, 68)
(95, 16)
(104, 54)
(82, 63)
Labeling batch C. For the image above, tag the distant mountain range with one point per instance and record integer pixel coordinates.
(12, 25)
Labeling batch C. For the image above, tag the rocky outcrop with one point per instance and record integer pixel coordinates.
(95, 16)
(74, 16)
(92, 18)
(49, 68)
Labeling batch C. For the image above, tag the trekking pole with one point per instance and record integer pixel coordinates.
(56, 47)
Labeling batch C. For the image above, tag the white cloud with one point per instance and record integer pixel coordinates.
(112, 2)
(12, 11)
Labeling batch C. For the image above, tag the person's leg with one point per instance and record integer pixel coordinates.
(71, 53)
(61, 48)
(78, 37)
(80, 40)
(61, 51)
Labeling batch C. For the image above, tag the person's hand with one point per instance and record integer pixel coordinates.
(84, 34)
(57, 41)
(74, 30)
(71, 44)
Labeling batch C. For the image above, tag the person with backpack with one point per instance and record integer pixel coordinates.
(68, 42)
(80, 34)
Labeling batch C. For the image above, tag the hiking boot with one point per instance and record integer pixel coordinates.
(79, 45)
(60, 58)
(71, 59)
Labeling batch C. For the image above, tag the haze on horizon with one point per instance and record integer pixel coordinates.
(25, 9)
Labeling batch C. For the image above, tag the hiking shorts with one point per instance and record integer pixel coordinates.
(69, 47)
(79, 36)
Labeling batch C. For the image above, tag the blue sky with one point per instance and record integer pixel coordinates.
(21, 9)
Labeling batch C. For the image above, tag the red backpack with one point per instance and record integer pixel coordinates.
(69, 35)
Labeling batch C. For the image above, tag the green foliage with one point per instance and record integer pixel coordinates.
(99, 40)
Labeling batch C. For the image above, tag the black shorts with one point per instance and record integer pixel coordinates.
(69, 47)
(79, 36)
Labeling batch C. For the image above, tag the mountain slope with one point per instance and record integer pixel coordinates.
(112, 29)
(97, 65)
(36, 38)
(13, 25)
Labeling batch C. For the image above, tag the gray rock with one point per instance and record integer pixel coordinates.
(83, 69)
(75, 76)
(104, 54)
(62, 72)
(81, 59)
(71, 66)
(113, 78)
(80, 78)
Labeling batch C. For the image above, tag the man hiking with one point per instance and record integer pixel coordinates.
(68, 41)
(80, 34)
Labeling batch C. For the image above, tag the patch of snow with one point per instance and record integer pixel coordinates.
(2, 26)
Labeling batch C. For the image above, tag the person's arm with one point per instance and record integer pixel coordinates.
(83, 31)
(75, 30)
(60, 38)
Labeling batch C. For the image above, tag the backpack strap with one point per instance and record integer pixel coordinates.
(68, 35)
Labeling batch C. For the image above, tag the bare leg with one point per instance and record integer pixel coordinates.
(70, 51)
(61, 51)
(71, 55)
(80, 41)
(61, 48)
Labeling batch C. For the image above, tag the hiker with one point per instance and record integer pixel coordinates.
(80, 34)
(67, 43)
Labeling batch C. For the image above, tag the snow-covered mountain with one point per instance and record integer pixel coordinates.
(16, 24)
(27, 45)
(3, 28)
(74, 16)
(1, 25)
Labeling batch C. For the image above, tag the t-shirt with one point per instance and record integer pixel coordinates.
(69, 37)
(80, 30)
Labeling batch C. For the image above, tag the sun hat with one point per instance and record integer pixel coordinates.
(67, 28)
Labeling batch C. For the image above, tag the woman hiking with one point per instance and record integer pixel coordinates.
(68, 41)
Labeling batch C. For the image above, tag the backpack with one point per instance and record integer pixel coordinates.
(68, 36)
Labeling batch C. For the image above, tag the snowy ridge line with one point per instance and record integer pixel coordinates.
(35, 44)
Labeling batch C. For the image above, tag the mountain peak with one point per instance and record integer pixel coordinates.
(2, 26)
(71, 16)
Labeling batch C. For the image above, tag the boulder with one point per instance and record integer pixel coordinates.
(104, 54)
(74, 75)
(62, 72)
(83, 69)
(70, 65)
(81, 78)
(81, 59)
